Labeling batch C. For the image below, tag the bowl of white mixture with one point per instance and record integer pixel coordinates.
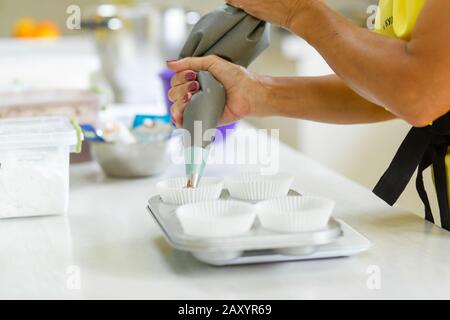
(134, 153)
(132, 160)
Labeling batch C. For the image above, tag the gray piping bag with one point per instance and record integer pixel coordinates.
(234, 35)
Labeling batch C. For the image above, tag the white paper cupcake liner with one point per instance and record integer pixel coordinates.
(256, 187)
(174, 190)
(295, 214)
(216, 218)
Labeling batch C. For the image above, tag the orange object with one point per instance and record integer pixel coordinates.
(47, 29)
(25, 28)
(28, 28)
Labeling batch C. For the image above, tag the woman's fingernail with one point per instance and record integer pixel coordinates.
(186, 98)
(169, 61)
(191, 76)
(193, 86)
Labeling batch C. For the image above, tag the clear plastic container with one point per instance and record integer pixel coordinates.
(34, 165)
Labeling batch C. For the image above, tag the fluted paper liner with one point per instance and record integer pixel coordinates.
(222, 218)
(174, 190)
(295, 214)
(256, 187)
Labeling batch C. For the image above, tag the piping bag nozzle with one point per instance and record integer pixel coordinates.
(196, 159)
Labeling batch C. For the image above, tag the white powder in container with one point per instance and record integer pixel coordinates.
(34, 182)
(34, 165)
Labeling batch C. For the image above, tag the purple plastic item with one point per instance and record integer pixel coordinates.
(225, 131)
(166, 76)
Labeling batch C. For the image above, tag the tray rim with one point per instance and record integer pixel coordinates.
(322, 253)
(290, 240)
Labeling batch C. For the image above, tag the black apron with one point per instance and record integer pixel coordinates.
(422, 148)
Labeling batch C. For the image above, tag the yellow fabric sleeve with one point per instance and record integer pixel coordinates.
(397, 18)
(405, 13)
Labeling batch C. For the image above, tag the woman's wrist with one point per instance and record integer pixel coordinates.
(263, 97)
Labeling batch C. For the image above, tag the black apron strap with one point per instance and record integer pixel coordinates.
(408, 157)
(421, 148)
(425, 163)
(440, 181)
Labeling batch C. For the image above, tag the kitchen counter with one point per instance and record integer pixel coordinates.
(109, 247)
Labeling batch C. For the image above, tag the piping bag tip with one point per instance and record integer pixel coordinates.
(195, 158)
(193, 180)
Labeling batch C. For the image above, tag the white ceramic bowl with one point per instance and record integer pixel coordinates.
(174, 190)
(295, 214)
(256, 187)
(216, 218)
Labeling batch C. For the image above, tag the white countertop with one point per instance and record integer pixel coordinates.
(110, 239)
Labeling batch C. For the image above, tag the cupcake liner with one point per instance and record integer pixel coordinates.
(295, 214)
(174, 190)
(216, 218)
(256, 187)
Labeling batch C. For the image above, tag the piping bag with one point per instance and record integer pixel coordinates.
(232, 34)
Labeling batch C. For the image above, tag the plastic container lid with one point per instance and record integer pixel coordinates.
(37, 132)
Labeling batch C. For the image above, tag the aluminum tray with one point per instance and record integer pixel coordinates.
(259, 245)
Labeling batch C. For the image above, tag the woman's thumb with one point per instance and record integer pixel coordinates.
(196, 64)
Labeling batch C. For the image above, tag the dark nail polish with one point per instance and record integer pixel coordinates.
(186, 98)
(193, 86)
(168, 61)
(191, 76)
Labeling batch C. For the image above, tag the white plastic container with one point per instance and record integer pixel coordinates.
(34, 165)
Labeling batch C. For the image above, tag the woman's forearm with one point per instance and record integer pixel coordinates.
(407, 77)
(324, 99)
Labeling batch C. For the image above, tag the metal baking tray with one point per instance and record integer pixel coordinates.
(259, 245)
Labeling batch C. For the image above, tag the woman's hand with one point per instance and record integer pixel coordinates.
(244, 91)
(280, 12)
